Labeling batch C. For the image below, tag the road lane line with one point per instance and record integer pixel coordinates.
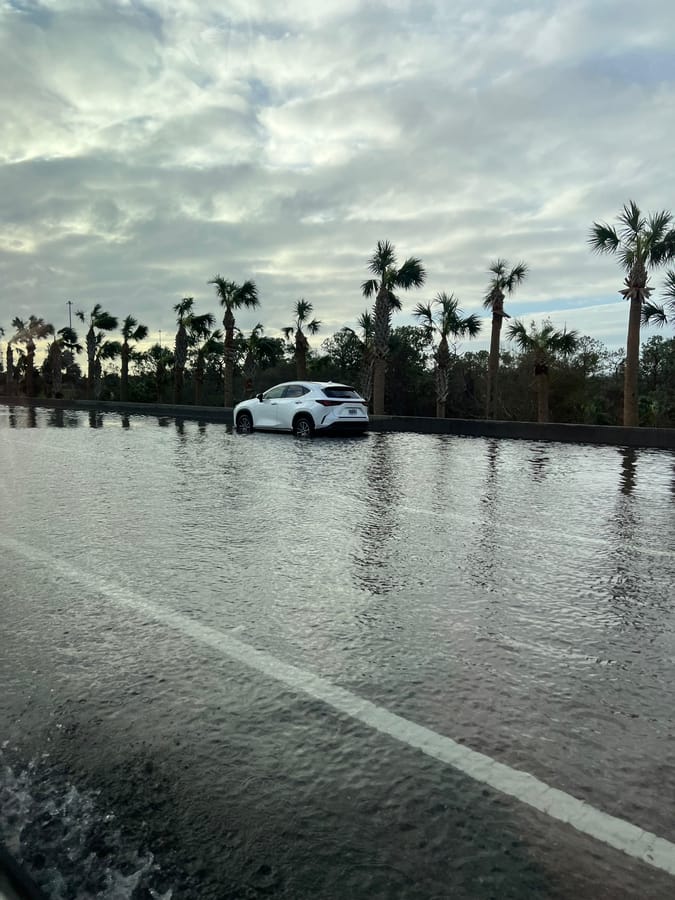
(617, 833)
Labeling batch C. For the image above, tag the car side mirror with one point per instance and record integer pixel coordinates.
(259, 396)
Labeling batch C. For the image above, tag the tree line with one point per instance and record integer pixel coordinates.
(414, 370)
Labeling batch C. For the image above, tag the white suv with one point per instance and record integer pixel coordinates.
(303, 407)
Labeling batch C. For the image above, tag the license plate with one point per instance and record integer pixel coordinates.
(352, 411)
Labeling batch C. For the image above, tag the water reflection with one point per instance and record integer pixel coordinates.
(481, 558)
(373, 569)
(63, 418)
(56, 418)
(625, 584)
(126, 423)
(628, 469)
(540, 462)
(22, 417)
(95, 419)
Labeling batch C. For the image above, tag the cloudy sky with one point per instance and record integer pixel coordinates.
(146, 147)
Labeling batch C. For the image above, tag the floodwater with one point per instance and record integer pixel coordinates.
(173, 593)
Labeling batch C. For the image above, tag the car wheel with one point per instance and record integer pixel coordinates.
(303, 427)
(244, 423)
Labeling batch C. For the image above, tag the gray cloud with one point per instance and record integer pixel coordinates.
(147, 146)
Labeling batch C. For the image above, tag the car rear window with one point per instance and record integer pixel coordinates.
(342, 392)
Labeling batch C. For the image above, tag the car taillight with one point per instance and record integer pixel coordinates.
(330, 402)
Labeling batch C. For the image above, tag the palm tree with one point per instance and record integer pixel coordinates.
(161, 361)
(232, 296)
(446, 320)
(9, 370)
(191, 328)
(503, 280)
(365, 344)
(64, 340)
(301, 311)
(100, 321)
(545, 345)
(383, 264)
(131, 331)
(104, 351)
(27, 333)
(211, 347)
(258, 350)
(653, 313)
(641, 243)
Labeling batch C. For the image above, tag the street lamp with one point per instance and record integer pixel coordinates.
(69, 304)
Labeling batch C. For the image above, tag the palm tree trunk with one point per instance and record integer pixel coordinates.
(249, 370)
(441, 391)
(98, 379)
(56, 362)
(442, 384)
(180, 358)
(30, 368)
(493, 367)
(178, 384)
(367, 376)
(91, 362)
(542, 396)
(199, 380)
(10, 371)
(301, 346)
(379, 376)
(124, 374)
(228, 358)
(630, 385)
(380, 348)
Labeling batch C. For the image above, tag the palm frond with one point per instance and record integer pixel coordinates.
(128, 326)
(657, 225)
(302, 309)
(370, 287)
(603, 238)
(103, 319)
(395, 304)
(669, 288)
(411, 274)
(517, 332)
(653, 314)
(183, 308)
(632, 220)
(516, 276)
(471, 325)
(383, 258)
(109, 349)
(246, 294)
(313, 326)
(423, 311)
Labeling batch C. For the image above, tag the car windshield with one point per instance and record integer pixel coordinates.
(341, 391)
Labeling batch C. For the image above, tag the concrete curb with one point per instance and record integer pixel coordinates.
(612, 435)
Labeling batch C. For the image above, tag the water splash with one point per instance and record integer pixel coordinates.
(70, 847)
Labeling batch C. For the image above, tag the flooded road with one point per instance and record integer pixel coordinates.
(216, 650)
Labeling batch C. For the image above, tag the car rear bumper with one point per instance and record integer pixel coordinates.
(347, 425)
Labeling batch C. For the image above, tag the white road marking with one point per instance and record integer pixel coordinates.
(617, 833)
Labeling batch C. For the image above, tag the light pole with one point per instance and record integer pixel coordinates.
(69, 304)
(160, 337)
